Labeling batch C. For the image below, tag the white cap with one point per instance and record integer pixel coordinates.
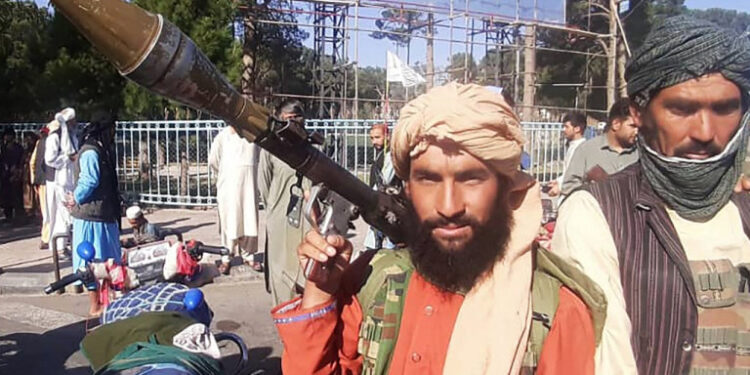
(133, 212)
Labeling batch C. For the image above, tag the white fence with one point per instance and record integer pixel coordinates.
(165, 163)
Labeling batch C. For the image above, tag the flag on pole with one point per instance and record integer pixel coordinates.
(397, 71)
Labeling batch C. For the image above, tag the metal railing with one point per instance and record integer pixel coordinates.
(165, 163)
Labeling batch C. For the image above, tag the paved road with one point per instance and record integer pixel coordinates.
(40, 335)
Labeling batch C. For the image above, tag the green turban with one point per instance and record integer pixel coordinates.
(682, 48)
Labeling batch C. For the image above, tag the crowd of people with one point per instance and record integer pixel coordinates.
(66, 174)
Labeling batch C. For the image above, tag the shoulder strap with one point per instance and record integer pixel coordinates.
(384, 264)
(382, 299)
(552, 272)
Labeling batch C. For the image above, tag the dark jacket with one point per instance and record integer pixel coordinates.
(104, 203)
(656, 279)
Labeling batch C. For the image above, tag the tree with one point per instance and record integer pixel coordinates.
(371, 89)
(208, 23)
(46, 64)
(494, 68)
(594, 72)
(462, 68)
(77, 75)
(400, 25)
(22, 43)
(274, 58)
(738, 21)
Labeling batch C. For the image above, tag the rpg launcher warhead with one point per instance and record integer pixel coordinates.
(151, 51)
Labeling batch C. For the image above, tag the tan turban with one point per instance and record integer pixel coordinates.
(477, 119)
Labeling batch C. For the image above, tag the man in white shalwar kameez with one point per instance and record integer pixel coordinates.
(59, 154)
(235, 160)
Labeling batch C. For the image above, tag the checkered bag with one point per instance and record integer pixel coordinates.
(157, 297)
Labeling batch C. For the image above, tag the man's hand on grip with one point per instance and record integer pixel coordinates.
(334, 250)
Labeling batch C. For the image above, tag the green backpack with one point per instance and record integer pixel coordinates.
(383, 295)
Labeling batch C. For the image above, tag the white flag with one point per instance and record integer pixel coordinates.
(397, 71)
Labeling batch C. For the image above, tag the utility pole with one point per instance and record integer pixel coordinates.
(430, 68)
(612, 54)
(248, 58)
(529, 72)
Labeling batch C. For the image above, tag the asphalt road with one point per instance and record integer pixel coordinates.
(41, 335)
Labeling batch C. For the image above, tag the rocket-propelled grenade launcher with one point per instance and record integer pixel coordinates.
(149, 50)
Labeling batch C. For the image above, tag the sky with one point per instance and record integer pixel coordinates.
(740, 5)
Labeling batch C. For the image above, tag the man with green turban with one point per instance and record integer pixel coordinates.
(667, 238)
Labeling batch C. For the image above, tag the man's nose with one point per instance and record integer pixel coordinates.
(450, 203)
(702, 129)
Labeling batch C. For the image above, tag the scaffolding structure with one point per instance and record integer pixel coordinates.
(329, 42)
(505, 33)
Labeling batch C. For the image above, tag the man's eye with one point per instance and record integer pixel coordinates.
(473, 179)
(681, 110)
(726, 109)
(427, 179)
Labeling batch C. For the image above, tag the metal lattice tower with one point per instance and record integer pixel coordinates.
(510, 41)
(498, 36)
(329, 44)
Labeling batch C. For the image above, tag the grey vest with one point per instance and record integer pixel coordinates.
(656, 278)
(104, 203)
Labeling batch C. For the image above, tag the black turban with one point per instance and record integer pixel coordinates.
(682, 48)
(100, 122)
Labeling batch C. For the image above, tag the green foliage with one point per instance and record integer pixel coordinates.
(277, 61)
(496, 68)
(45, 63)
(398, 26)
(738, 21)
(22, 43)
(643, 14)
(371, 87)
(458, 65)
(555, 67)
(208, 23)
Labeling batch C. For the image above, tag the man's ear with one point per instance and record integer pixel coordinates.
(635, 113)
(616, 124)
(407, 191)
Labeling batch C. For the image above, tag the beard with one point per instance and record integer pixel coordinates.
(456, 267)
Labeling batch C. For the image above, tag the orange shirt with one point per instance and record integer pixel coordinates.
(426, 328)
(323, 339)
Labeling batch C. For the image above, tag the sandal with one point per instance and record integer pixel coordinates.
(256, 266)
(224, 268)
